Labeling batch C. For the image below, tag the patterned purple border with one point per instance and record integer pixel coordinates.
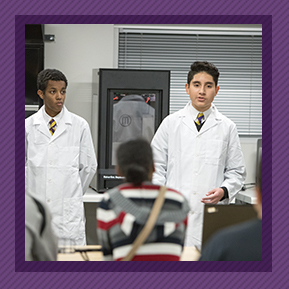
(264, 266)
(275, 140)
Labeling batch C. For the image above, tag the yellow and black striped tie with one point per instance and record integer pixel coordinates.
(52, 126)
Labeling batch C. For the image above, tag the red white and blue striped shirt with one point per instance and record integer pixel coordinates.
(123, 213)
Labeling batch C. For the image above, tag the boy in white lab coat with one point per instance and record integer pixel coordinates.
(60, 160)
(197, 150)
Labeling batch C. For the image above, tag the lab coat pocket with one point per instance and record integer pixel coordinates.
(37, 147)
(215, 152)
(40, 139)
(69, 156)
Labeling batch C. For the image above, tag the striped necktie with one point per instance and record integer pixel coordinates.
(199, 121)
(52, 126)
(200, 118)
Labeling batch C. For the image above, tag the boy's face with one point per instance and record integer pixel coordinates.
(202, 91)
(53, 97)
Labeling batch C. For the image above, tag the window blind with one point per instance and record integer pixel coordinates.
(238, 58)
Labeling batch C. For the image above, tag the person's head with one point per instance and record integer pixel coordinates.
(135, 161)
(51, 85)
(258, 206)
(203, 66)
(202, 84)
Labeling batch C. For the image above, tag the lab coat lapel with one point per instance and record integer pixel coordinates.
(63, 125)
(40, 124)
(213, 120)
(187, 119)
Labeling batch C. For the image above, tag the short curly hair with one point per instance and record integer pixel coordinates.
(49, 74)
(203, 66)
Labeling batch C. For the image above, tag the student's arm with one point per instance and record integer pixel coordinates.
(235, 171)
(87, 159)
(214, 196)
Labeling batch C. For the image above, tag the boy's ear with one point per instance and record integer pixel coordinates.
(40, 93)
(187, 86)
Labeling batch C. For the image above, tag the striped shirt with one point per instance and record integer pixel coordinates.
(123, 213)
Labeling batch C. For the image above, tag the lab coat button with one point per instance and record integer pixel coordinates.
(48, 200)
(192, 212)
(50, 181)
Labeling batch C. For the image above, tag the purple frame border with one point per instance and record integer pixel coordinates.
(262, 266)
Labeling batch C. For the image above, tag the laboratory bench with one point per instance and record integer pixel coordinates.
(92, 198)
(78, 253)
(247, 196)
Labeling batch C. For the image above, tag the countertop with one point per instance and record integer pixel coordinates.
(247, 196)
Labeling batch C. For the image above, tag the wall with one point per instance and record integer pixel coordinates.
(79, 48)
(249, 148)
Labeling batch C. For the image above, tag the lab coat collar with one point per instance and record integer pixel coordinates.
(63, 125)
(187, 119)
(42, 125)
(214, 118)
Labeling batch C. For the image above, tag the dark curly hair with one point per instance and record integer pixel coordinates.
(203, 66)
(49, 74)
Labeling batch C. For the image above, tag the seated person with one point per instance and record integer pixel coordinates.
(242, 242)
(124, 210)
(40, 241)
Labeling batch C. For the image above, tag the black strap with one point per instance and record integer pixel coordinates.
(226, 193)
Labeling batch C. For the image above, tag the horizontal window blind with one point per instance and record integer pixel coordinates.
(238, 58)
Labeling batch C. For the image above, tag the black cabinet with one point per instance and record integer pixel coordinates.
(34, 63)
(127, 103)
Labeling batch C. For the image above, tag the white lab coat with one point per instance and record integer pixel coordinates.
(195, 162)
(60, 168)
